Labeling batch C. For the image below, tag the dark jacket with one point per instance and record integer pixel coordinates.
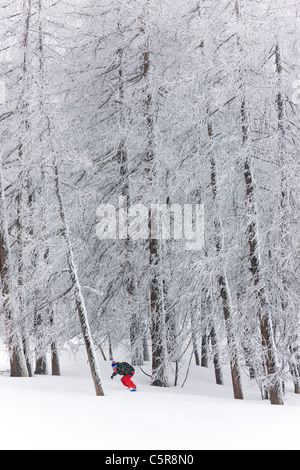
(123, 368)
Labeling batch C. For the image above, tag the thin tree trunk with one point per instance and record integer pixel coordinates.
(196, 350)
(110, 350)
(146, 354)
(55, 366)
(265, 321)
(158, 327)
(223, 284)
(216, 360)
(195, 337)
(285, 206)
(79, 299)
(26, 352)
(176, 373)
(16, 339)
(204, 358)
(18, 366)
(233, 354)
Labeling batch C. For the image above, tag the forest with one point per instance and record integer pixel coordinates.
(137, 104)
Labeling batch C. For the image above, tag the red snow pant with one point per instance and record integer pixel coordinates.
(127, 382)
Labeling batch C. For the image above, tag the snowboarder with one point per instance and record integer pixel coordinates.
(127, 371)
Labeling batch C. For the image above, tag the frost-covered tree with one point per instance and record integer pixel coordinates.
(143, 102)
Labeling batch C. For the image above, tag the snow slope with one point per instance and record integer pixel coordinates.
(63, 413)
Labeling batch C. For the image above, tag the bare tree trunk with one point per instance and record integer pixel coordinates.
(146, 355)
(18, 366)
(110, 350)
(233, 354)
(223, 284)
(79, 300)
(216, 360)
(196, 349)
(266, 328)
(285, 208)
(158, 326)
(265, 320)
(16, 341)
(41, 365)
(55, 366)
(204, 345)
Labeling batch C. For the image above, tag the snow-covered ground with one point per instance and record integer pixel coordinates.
(63, 413)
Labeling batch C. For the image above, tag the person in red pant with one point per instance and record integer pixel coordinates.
(127, 371)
